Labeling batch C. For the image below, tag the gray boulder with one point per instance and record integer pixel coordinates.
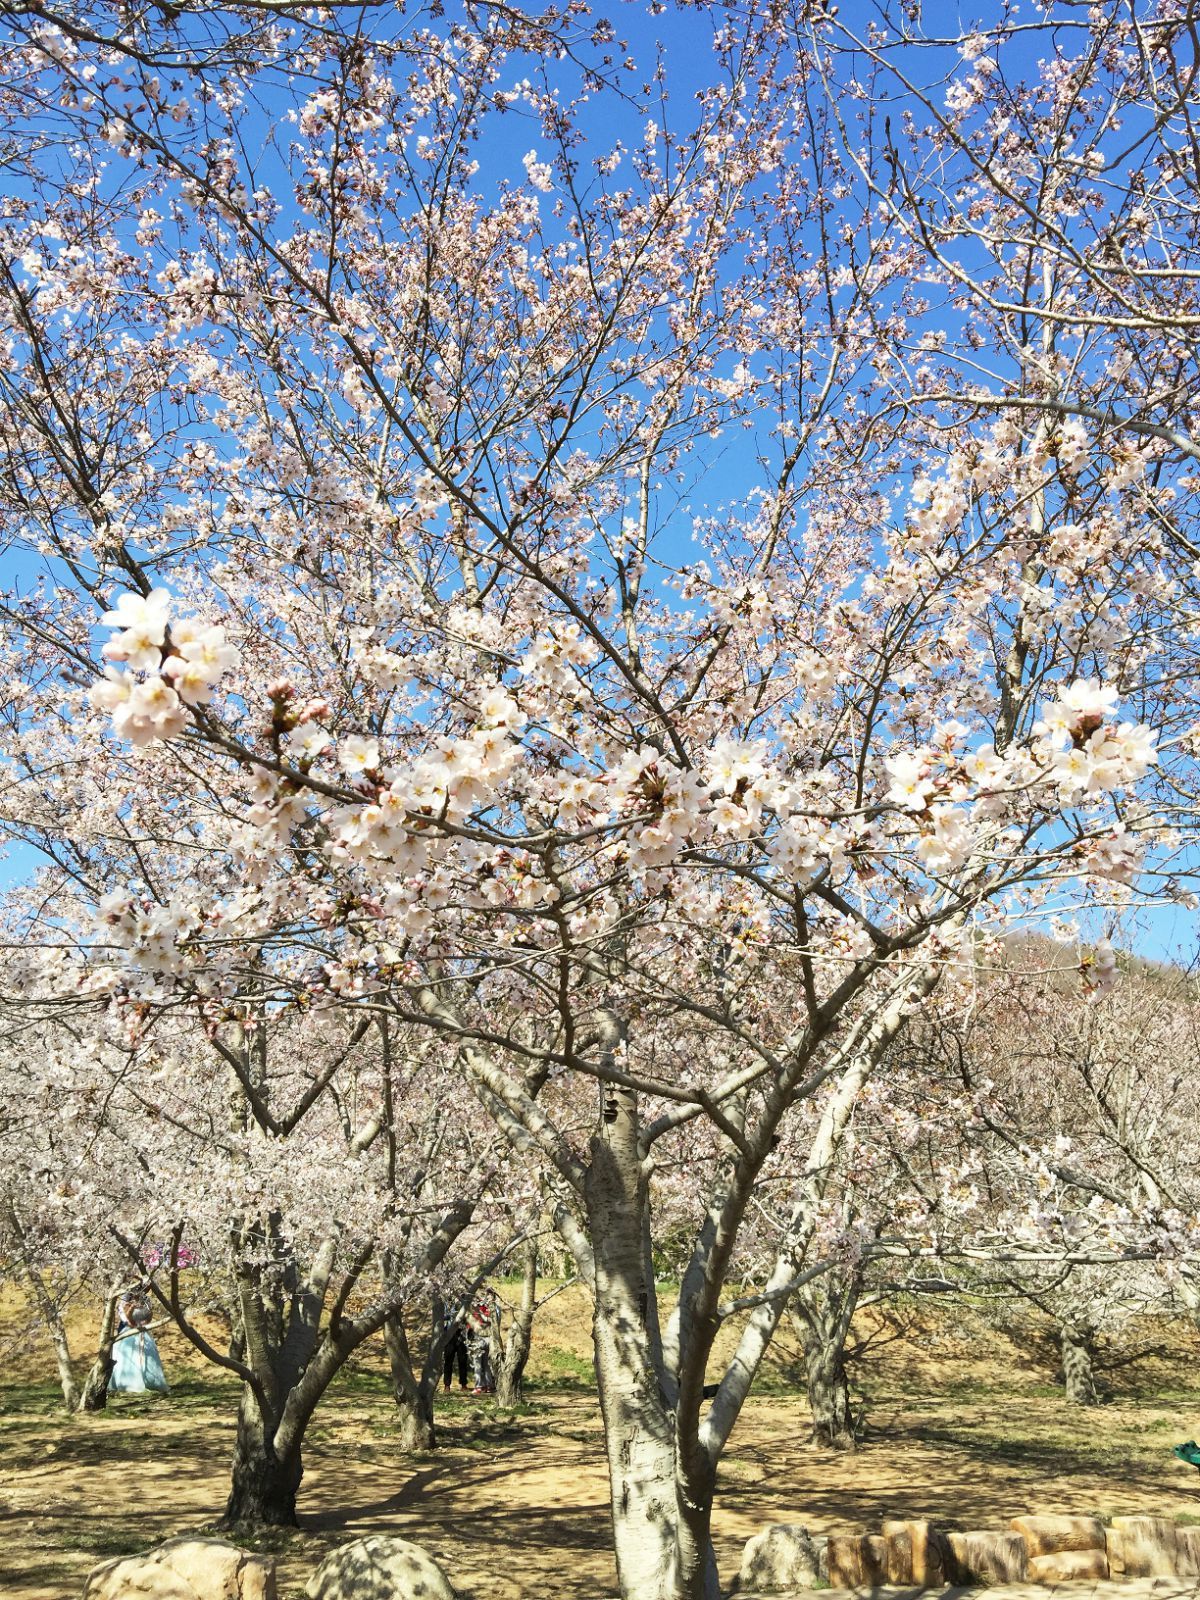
(379, 1568)
(779, 1560)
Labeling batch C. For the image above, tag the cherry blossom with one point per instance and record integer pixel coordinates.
(638, 623)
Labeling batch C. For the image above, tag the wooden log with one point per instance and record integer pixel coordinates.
(1068, 1566)
(856, 1561)
(1149, 1546)
(1051, 1536)
(985, 1557)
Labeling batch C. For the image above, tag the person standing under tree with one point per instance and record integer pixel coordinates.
(455, 1352)
(483, 1324)
(137, 1368)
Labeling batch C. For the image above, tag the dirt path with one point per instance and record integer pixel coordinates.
(516, 1509)
(964, 1428)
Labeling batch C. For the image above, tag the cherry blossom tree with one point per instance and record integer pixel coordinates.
(575, 610)
(267, 1150)
(54, 1260)
(1041, 1145)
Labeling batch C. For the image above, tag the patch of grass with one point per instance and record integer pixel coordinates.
(31, 1400)
(105, 1541)
(113, 1540)
(1186, 1398)
(188, 1394)
(565, 1370)
(981, 1391)
(362, 1381)
(273, 1541)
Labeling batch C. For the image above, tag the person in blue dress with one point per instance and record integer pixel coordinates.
(137, 1368)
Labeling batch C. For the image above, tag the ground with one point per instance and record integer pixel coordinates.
(964, 1425)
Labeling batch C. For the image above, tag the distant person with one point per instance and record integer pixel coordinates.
(455, 1352)
(137, 1368)
(482, 1322)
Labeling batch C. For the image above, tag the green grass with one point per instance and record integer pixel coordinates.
(31, 1400)
(359, 1380)
(111, 1540)
(566, 1371)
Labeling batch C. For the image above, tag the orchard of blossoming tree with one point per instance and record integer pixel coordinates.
(576, 583)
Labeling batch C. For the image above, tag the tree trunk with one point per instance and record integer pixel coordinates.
(265, 1484)
(94, 1395)
(290, 1363)
(62, 1357)
(829, 1397)
(661, 1510)
(1078, 1351)
(55, 1331)
(414, 1400)
(510, 1369)
(415, 1422)
(822, 1315)
(661, 1531)
(237, 1338)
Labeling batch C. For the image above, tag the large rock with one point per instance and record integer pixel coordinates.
(875, 1560)
(779, 1560)
(185, 1569)
(1051, 1536)
(1145, 1547)
(1068, 1566)
(856, 1561)
(379, 1568)
(987, 1558)
(1114, 1546)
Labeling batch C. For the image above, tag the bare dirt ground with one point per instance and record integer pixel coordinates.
(963, 1426)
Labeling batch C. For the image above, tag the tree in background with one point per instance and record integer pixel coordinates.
(267, 1149)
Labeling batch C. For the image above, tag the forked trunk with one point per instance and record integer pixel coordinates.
(661, 1514)
(413, 1395)
(265, 1482)
(1078, 1353)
